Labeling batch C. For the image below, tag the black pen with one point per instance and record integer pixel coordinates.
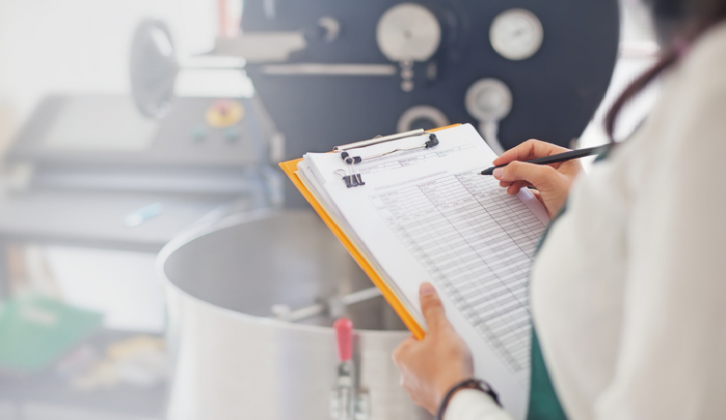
(561, 157)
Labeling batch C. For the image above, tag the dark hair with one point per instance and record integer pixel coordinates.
(700, 15)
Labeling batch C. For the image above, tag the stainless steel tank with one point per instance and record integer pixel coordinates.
(233, 360)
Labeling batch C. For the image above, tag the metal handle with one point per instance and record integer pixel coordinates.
(335, 306)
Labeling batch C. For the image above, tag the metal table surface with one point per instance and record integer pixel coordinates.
(97, 218)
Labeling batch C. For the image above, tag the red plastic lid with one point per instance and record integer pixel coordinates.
(344, 335)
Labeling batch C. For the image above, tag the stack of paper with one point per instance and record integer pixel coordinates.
(427, 215)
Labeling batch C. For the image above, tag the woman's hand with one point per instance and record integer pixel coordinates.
(430, 367)
(551, 181)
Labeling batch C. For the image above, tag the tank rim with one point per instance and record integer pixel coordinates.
(226, 222)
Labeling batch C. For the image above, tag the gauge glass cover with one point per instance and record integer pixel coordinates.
(516, 34)
(408, 32)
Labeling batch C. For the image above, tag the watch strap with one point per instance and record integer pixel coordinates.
(466, 384)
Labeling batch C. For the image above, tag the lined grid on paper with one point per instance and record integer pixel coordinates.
(477, 244)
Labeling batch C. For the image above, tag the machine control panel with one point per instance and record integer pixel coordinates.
(99, 130)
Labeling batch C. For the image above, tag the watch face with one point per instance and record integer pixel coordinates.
(516, 34)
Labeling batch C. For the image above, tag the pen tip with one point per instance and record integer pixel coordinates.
(488, 171)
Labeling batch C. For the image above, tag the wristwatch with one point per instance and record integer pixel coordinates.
(466, 384)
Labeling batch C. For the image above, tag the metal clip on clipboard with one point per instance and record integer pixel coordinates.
(354, 179)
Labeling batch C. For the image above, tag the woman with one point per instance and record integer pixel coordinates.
(628, 290)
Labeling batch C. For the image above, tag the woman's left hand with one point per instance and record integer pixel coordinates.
(430, 367)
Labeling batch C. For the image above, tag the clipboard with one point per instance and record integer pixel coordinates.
(290, 169)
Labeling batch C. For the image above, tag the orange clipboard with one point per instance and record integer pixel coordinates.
(290, 168)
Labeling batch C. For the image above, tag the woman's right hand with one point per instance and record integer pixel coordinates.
(552, 182)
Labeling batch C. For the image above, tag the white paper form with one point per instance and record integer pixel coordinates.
(427, 215)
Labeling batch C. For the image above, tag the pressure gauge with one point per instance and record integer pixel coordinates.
(488, 100)
(408, 32)
(516, 34)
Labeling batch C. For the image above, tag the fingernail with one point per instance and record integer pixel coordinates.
(427, 289)
(498, 173)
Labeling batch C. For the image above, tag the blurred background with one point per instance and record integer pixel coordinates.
(129, 125)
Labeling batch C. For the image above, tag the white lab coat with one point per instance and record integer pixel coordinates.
(629, 290)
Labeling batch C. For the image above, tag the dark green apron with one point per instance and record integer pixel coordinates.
(543, 401)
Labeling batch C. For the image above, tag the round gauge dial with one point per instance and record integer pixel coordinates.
(488, 100)
(408, 32)
(516, 34)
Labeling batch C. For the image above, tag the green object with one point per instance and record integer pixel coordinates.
(543, 401)
(36, 331)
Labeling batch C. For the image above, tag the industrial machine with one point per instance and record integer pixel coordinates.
(330, 72)
(90, 171)
(518, 70)
(251, 297)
